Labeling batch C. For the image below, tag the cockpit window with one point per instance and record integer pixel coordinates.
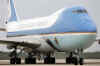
(79, 11)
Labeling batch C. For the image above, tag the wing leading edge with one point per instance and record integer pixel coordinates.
(20, 43)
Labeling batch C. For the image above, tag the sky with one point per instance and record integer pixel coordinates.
(27, 9)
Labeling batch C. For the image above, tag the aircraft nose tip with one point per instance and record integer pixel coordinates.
(90, 26)
(92, 29)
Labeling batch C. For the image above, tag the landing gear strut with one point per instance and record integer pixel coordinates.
(75, 57)
(48, 59)
(14, 57)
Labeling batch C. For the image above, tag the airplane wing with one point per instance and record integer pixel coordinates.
(20, 43)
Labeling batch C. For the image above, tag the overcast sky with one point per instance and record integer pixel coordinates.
(37, 8)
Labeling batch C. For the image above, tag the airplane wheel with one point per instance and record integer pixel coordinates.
(30, 60)
(75, 61)
(46, 60)
(33, 60)
(68, 60)
(18, 60)
(49, 60)
(12, 61)
(81, 61)
(52, 60)
(27, 61)
(15, 61)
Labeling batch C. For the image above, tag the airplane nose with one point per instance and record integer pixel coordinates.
(82, 20)
(89, 25)
(82, 23)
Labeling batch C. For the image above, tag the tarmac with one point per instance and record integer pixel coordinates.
(59, 62)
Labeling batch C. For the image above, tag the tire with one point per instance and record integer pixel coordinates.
(30, 60)
(75, 61)
(12, 61)
(18, 60)
(81, 61)
(68, 60)
(52, 60)
(47, 60)
(33, 60)
(27, 61)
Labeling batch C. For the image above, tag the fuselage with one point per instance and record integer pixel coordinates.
(67, 29)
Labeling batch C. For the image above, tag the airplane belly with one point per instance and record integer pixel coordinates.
(71, 41)
(45, 47)
(76, 40)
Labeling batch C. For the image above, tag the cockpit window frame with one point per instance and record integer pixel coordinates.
(80, 11)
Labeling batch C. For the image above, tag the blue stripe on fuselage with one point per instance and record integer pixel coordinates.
(66, 22)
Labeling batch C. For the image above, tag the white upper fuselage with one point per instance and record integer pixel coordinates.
(36, 23)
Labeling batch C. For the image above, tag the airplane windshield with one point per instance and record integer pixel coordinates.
(80, 11)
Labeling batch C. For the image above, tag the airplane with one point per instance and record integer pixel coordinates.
(69, 30)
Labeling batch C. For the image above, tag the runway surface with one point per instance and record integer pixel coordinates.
(59, 62)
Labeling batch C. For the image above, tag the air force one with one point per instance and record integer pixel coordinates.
(69, 30)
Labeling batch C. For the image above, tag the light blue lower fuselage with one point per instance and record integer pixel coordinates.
(70, 41)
